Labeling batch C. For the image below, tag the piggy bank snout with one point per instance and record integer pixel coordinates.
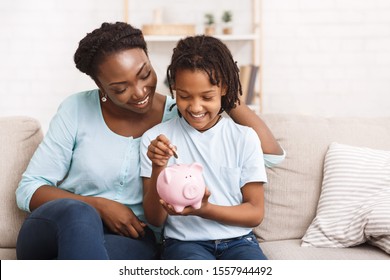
(191, 191)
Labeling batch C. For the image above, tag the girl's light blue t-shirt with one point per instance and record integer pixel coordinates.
(231, 157)
(82, 155)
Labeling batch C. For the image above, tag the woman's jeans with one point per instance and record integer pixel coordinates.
(241, 248)
(68, 229)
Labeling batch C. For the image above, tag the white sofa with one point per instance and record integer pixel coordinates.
(291, 196)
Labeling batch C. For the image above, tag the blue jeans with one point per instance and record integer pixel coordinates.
(68, 229)
(241, 248)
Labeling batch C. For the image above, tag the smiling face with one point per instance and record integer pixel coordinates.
(128, 79)
(198, 101)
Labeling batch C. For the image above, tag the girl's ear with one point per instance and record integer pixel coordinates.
(173, 91)
(223, 90)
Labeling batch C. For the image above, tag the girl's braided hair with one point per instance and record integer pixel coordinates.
(108, 39)
(212, 56)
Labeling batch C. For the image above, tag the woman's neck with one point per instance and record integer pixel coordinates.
(128, 123)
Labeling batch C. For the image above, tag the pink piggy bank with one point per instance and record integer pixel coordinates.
(182, 185)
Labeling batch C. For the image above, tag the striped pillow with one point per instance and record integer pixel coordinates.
(354, 205)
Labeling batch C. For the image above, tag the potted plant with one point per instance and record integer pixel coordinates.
(227, 18)
(209, 24)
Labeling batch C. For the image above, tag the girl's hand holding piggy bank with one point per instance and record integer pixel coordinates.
(182, 185)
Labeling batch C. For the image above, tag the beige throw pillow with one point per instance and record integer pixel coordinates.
(354, 205)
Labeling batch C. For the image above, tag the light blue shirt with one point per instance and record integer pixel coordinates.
(94, 160)
(231, 156)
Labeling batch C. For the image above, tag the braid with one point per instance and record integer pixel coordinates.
(108, 39)
(212, 56)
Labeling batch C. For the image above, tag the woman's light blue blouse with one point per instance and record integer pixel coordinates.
(80, 154)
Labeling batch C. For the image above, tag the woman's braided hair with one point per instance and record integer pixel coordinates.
(212, 56)
(108, 39)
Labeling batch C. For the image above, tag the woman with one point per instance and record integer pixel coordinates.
(83, 185)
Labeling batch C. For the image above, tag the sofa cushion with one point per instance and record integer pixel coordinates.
(292, 250)
(19, 137)
(294, 186)
(354, 204)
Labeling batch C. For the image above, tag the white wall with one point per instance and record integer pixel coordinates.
(37, 43)
(328, 58)
(320, 57)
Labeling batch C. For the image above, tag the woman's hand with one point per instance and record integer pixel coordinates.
(160, 150)
(116, 216)
(120, 219)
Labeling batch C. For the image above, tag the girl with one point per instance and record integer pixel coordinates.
(205, 79)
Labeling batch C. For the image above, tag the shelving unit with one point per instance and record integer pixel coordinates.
(157, 42)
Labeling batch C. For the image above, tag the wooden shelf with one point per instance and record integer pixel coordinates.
(174, 38)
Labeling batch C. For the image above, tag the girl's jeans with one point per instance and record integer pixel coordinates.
(68, 229)
(241, 248)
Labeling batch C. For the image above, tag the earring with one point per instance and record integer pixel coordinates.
(104, 98)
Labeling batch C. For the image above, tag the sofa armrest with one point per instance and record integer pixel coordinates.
(19, 138)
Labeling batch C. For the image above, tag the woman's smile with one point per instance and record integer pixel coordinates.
(141, 104)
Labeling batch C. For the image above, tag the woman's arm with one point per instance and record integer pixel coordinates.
(243, 115)
(50, 164)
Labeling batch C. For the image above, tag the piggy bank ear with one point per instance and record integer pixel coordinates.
(169, 174)
(196, 166)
